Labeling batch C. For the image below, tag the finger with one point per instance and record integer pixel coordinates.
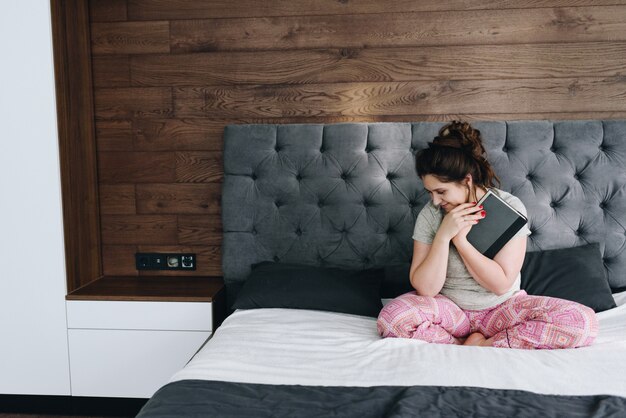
(478, 216)
(471, 219)
(466, 215)
(473, 209)
(462, 216)
(463, 206)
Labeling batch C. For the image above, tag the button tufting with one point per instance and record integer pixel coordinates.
(298, 232)
(553, 204)
(366, 260)
(411, 204)
(298, 177)
(505, 149)
(553, 148)
(322, 149)
(278, 204)
(277, 148)
(368, 149)
(276, 259)
(602, 205)
(253, 176)
(344, 176)
(320, 204)
(577, 176)
(254, 232)
(529, 176)
(366, 203)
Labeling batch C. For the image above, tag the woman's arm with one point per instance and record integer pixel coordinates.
(429, 266)
(430, 261)
(496, 275)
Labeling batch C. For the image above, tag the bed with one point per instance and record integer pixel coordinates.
(312, 200)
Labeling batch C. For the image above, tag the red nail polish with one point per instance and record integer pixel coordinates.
(483, 213)
(481, 206)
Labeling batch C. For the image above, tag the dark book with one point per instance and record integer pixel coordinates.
(500, 224)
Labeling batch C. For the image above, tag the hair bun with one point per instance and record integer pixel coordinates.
(456, 152)
(458, 134)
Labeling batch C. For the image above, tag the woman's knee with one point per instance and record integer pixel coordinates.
(401, 316)
(551, 323)
(590, 326)
(577, 326)
(433, 319)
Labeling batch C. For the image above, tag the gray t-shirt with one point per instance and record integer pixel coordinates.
(460, 286)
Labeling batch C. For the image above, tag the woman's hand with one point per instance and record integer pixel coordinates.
(458, 222)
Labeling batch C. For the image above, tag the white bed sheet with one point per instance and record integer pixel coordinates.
(302, 347)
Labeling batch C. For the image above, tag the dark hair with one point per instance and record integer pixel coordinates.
(457, 151)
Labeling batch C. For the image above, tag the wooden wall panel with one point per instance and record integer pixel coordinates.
(194, 9)
(170, 74)
(200, 230)
(363, 99)
(117, 199)
(199, 167)
(119, 260)
(138, 229)
(111, 71)
(77, 141)
(128, 103)
(578, 24)
(108, 10)
(178, 134)
(114, 135)
(344, 65)
(136, 167)
(179, 198)
(130, 37)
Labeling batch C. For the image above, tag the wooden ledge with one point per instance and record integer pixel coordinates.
(151, 288)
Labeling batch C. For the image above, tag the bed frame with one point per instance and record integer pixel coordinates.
(347, 195)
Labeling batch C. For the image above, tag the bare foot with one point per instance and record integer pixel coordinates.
(476, 339)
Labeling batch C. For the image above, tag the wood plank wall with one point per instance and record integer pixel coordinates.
(169, 74)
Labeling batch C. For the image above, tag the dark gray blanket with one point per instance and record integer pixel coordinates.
(200, 398)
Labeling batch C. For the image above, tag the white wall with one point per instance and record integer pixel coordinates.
(33, 331)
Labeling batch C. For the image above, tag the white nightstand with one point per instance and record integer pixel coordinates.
(130, 348)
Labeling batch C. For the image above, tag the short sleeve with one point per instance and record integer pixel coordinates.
(426, 225)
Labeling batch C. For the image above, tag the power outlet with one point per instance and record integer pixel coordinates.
(188, 261)
(165, 261)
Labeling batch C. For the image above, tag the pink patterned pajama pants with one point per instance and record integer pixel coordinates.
(523, 321)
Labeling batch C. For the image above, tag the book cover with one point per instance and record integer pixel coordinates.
(500, 224)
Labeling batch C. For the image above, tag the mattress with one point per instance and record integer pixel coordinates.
(315, 348)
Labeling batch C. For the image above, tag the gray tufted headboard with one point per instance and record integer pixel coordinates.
(347, 195)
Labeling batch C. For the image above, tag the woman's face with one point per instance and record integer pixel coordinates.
(446, 195)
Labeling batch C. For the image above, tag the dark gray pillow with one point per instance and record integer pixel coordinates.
(396, 281)
(283, 285)
(575, 274)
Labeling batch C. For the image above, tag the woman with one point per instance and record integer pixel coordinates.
(461, 296)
